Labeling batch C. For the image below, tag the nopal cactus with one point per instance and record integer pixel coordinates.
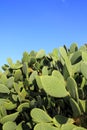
(45, 91)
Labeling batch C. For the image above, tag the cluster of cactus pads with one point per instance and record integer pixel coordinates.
(45, 91)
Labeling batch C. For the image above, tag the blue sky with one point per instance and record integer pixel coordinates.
(27, 25)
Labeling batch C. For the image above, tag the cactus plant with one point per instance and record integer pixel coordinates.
(45, 91)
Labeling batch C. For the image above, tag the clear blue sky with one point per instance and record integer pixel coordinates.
(27, 25)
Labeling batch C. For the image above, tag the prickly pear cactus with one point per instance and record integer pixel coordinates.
(45, 91)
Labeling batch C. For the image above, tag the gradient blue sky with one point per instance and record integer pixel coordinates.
(27, 25)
